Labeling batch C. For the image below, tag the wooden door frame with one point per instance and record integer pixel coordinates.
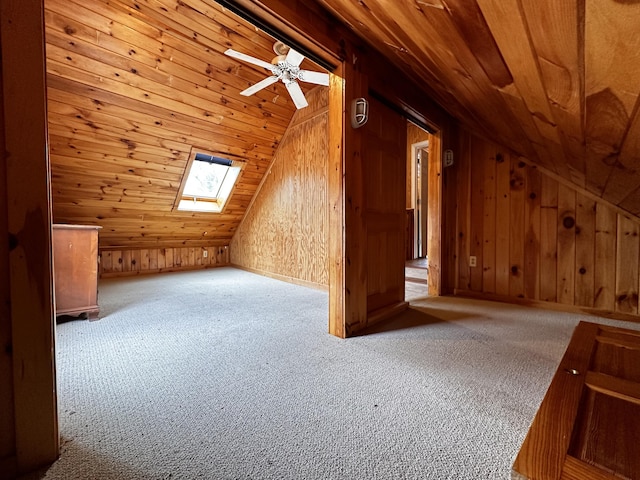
(435, 208)
(28, 195)
(415, 148)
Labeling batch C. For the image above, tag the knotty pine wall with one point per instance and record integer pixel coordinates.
(536, 237)
(134, 261)
(284, 233)
(132, 88)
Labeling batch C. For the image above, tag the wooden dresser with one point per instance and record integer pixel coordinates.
(75, 266)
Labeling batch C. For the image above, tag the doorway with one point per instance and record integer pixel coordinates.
(419, 195)
(416, 261)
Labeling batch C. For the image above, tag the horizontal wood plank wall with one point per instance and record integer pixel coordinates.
(116, 263)
(285, 231)
(132, 87)
(539, 239)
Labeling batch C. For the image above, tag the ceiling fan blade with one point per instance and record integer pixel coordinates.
(249, 59)
(319, 78)
(294, 58)
(296, 94)
(259, 86)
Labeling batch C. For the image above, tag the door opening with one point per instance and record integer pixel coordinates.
(416, 268)
(420, 154)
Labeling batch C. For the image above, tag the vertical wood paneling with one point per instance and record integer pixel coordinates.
(489, 226)
(126, 260)
(605, 253)
(136, 260)
(144, 259)
(464, 213)
(154, 260)
(177, 257)
(585, 250)
(385, 137)
(628, 245)
(553, 242)
(106, 262)
(7, 418)
(116, 261)
(285, 231)
(532, 219)
(503, 199)
(517, 228)
(548, 239)
(566, 244)
(477, 206)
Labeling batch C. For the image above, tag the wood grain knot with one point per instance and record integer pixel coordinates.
(532, 195)
(514, 269)
(499, 158)
(516, 182)
(582, 270)
(568, 222)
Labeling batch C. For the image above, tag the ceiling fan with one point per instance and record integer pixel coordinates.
(286, 67)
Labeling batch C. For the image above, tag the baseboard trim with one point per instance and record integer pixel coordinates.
(284, 278)
(559, 307)
(161, 270)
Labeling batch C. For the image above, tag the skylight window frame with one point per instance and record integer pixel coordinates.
(206, 204)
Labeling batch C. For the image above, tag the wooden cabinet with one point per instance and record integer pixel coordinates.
(75, 266)
(588, 426)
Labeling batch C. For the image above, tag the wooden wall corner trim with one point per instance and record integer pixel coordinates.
(29, 223)
(336, 203)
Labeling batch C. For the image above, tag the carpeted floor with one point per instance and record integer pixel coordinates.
(222, 374)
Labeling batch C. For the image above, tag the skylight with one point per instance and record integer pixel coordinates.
(208, 182)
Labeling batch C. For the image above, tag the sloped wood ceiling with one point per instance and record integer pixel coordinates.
(556, 81)
(132, 87)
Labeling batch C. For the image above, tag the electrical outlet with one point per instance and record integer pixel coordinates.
(473, 261)
(205, 253)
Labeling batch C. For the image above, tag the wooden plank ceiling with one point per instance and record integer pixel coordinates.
(556, 81)
(132, 87)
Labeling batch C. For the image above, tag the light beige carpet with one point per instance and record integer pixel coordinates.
(222, 374)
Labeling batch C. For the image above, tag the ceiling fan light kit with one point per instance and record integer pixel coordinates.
(286, 68)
